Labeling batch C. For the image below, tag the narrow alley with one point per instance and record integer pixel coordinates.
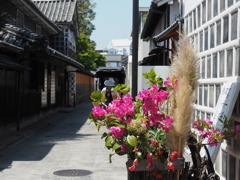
(68, 148)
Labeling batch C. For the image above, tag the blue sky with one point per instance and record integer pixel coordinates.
(113, 20)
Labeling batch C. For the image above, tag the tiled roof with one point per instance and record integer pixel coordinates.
(28, 8)
(20, 38)
(57, 10)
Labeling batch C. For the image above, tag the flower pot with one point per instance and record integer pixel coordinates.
(157, 171)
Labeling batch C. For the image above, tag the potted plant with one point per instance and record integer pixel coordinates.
(153, 128)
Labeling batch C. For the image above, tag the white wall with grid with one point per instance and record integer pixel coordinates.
(213, 26)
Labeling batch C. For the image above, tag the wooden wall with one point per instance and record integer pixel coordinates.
(84, 87)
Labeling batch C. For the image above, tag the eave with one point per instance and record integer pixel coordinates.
(36, 15)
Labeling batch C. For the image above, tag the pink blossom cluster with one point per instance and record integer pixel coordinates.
(99, 112)
(123, 108)
(214, 136)
(117, 132)
(152, 100)
(171, 82)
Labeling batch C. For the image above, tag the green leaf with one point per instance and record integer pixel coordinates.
(98, 127)
(109, 141)
(104, 135)
(116, 146)
(96, 95)
(132, 140)
(110, 158)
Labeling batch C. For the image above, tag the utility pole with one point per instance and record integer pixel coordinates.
(135, 47)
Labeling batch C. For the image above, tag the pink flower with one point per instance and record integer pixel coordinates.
(162, 95)
(154, 88)
(168, 124)
(124, 148)
(207, 121)
(117, 132)
(237, 128)
(98, 112)
(203, 134)
(171, 82)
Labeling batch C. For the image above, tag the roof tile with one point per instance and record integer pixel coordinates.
(57, 10)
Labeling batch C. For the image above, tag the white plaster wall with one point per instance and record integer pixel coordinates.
(143, 49)
(162, 71)
(190, 5)
(174, 11)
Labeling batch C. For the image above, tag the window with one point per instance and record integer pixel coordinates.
(222, 5)
(203, 115)
(201, 41)
(232, 164)
(19, 18)
(211, 96)
(215, 65)
(206, 39)
(200, 95)
(209, 67)
(229, 62)
(234, 22)
(237, 59)
(44, 91)
(203, 12)
(225, 29)
(53, 87)
(237, 143)
(205, 95)
(208, 116)
(186, 25)
(230, 3)
(218, 91)
(203, 68)
(196, 40)
(221, 64)
(194, 20)
(219, 32)
(215, 9)
(190, 23)
(209, 16)
(212, 36)
(199, 15)
(224, 164)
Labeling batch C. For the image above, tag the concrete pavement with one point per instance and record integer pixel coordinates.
(68, 148)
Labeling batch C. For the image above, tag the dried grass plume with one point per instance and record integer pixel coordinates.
(184, 67)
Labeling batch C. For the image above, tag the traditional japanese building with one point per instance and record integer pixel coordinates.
(35, 72)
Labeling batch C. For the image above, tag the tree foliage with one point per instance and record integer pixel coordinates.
(86, 53)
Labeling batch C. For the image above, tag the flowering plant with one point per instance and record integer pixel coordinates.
(207, 133)
(138, 128)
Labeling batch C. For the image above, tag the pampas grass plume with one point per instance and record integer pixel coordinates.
(184, 66)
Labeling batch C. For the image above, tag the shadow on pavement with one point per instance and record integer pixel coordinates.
(36, 146)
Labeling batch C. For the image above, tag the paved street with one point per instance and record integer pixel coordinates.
(70, 143)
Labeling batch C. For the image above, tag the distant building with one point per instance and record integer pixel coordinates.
(119, 46)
